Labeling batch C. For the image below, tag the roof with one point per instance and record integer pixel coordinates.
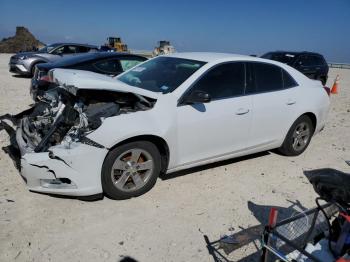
(207, 56)
(294, 52)
(82, 58)
(74, 44)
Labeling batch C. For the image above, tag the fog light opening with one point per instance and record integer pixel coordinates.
(58, 183)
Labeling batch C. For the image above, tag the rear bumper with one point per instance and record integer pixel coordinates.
(322, 117)
(74, 172)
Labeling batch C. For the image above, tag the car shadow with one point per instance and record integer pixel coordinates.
(128, 259)
(21, 76)
(212, 165)
(220, 249)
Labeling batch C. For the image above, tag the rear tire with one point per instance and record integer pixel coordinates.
(131, 170)
(298, 137)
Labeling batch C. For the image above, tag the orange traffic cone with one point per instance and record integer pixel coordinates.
(335, 85)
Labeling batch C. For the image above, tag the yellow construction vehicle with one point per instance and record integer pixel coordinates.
(117, 44)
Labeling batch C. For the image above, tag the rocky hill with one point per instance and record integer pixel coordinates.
(22, 41)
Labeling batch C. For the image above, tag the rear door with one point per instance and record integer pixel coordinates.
(274, 99)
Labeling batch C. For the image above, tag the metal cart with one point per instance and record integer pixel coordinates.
(287, 240)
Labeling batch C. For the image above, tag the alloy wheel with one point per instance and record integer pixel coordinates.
(132, 169)
(301, 136)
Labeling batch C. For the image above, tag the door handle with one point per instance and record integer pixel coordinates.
(242, 111)
(291, 102)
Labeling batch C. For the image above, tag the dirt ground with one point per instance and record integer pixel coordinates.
(168, 223)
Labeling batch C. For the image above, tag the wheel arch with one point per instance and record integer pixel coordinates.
(35, 62)
(312, 117)
(158, 141)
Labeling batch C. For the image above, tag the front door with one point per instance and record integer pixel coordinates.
(220, 127)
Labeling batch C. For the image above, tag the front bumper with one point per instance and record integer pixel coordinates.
(75, 171)
(38, 88)
(18, 68)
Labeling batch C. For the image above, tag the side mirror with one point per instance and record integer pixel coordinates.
(197, 96)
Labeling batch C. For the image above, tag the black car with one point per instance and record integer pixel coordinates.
(313, 65)
(108, 63)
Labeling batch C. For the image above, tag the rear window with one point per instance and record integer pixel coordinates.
(318, 60)
(129, 62)
(285, 58)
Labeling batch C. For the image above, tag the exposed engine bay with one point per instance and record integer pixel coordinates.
(63, 116)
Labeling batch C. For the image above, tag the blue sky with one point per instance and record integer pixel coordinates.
(245, 26)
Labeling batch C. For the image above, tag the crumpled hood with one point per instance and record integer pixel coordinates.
(73, 80)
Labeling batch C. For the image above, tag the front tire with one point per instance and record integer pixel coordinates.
(32, 69)
(131, 170)
(298, 137)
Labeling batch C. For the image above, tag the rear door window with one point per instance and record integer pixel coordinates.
(267, 78)
(110, 66)
(82, 49)
(288, 80)
(223, 81)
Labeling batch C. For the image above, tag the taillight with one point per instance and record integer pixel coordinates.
(45, 78)
(328, 90)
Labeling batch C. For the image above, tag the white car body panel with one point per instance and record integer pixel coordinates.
(195, 134)
(214, 129)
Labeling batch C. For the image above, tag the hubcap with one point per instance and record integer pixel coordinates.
(301, 136)
(132, 169)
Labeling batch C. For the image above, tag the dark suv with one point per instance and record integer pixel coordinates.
(312, 65)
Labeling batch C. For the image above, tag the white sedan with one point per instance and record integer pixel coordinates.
(96, 134)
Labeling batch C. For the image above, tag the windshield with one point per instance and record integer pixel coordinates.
(48, 48)
(285, 58)
(161, 74)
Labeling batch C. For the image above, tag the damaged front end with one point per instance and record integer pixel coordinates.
(56, 155)
(64, 117)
